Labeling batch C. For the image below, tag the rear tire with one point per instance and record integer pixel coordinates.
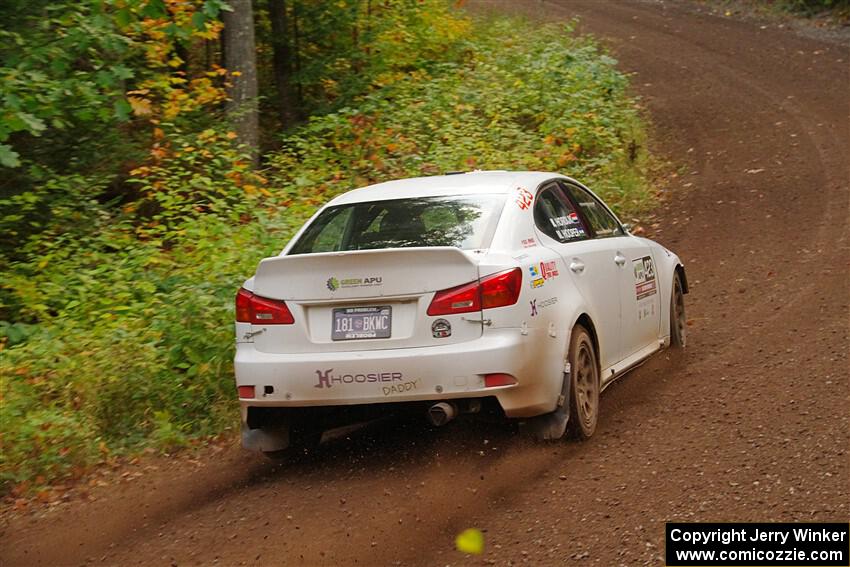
(584, 385)
(678, 322)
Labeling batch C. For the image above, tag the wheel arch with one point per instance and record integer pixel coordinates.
(585, 321)
(680, 270)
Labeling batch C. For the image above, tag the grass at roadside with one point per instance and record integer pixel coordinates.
(835, 12)
(133, 341)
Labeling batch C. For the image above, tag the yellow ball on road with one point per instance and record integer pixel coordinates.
(470, 541)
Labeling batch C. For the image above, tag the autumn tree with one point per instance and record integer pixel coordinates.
(282, 62)
(240, 60)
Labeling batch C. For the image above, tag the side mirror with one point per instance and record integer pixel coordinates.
(627, 226)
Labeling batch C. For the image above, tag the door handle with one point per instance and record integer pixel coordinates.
(577, 265)
(620, 260)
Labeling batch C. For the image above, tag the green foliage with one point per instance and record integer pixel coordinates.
(62, 67)
(546, 101)
(813, 6)
(386, 42)
(116, 313)
(68, 65)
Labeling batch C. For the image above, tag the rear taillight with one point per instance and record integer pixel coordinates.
(258, 310)
(501, 290)
(497, 290)
(243, 305)
(461, 299)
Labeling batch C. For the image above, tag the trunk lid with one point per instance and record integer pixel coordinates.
(338, 298)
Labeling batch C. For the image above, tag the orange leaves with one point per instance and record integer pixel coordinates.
(566, 158)
(140, 106)
(158, 152)
(217, 71)
(165, 91)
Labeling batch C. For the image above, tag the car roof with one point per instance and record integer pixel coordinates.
(471, 183)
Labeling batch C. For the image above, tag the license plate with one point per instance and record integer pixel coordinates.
(361, 323)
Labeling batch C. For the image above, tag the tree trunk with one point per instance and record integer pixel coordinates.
(240, 59)
(282, 62)
(299, 94)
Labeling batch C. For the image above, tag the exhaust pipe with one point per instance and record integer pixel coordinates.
(441, 413)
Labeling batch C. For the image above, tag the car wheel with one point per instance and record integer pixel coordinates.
(678, 323)
(584, 384)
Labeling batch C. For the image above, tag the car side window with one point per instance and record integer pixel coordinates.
(601, 222)
(556, 217)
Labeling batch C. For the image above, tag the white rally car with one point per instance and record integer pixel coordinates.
(515, 291)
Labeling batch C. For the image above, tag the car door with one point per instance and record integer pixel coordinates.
(589, 265)
(635, 268)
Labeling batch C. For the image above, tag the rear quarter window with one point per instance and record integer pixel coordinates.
(555, 216)
(601, 222)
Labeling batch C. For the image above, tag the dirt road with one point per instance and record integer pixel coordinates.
(751, 424)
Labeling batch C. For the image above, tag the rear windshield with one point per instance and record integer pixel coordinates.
(465, 222)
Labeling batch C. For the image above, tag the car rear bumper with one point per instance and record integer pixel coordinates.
(443, 372)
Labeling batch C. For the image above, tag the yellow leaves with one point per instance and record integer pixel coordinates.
(236, 73)
(171, 109)
(230, 135)
(211, 30)
(566, 158)
(175, 62)
(140, 106)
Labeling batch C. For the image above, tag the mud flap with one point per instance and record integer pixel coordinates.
(553, 425)
(265, 440)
